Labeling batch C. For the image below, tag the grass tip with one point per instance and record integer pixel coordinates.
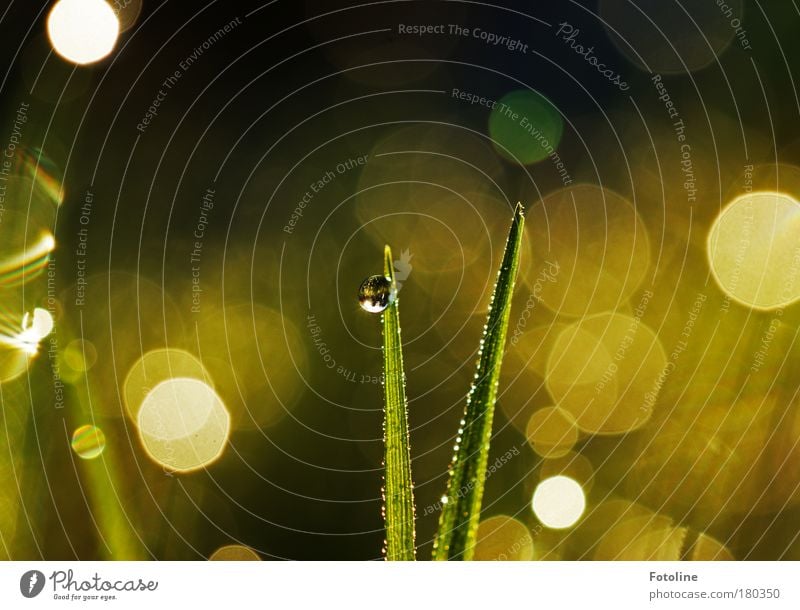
(388, 265)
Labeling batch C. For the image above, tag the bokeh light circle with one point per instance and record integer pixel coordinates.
(128, 13)
(594, 249)
(234, 552)
(754, 251)
(707, 548)
(525, 127)
(258, 360)
(155, 367)
(88, 442)
(659, 36)
(605, 371)
(83, 31)
(558, 502)
(552, 432)
(573, 465)
(650, 537)
(79, 355)
(183, 424)
(503, 538)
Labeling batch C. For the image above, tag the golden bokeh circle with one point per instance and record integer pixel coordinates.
(80, 355)
(503, 538)
(183, 424)
(648, 537)
(603, 370)
(571, 464)
(234, 552)
(552, 432)
(753, 250)
(258, 360)
(707, 548)
(593, 249)
(154, 367)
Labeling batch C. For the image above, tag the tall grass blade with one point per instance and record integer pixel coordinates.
(398, 491)
(461, 504)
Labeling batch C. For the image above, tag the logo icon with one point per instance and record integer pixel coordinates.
(31, 583)
(402, 268)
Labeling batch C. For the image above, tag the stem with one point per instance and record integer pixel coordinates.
(398, 485)
(458, 523)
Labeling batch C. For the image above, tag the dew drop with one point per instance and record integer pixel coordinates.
(376, 293)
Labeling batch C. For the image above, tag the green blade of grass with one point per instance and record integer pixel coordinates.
(398, 491)
(458, 522)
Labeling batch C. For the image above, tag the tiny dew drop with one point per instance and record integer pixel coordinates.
(376, 293)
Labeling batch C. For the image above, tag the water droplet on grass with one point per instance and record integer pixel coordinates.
(376, 293)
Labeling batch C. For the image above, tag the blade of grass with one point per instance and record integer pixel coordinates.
(458, 522)
(398, 491)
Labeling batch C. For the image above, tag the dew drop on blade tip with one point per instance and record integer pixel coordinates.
(376, 293)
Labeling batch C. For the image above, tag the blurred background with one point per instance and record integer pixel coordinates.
(191, 194)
